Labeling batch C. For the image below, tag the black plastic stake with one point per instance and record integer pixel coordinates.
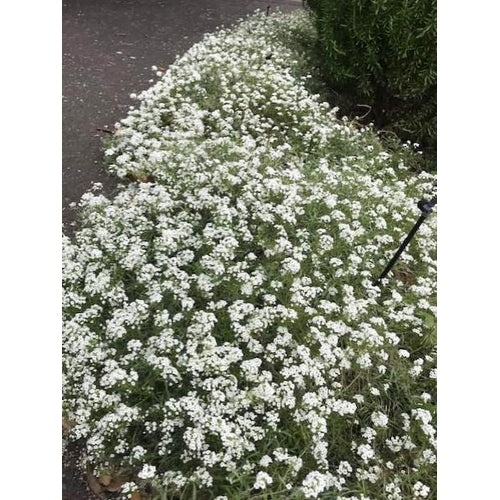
(426, 207)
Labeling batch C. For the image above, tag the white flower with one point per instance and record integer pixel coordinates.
(315, 483)
(364, 361)
(366, 452)
(147, 472)
(262, 481)
(379, 419)
(128, 487)
(291, 265)
(138, 452)
(420, 490)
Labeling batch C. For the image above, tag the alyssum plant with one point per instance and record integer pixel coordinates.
(222, 334)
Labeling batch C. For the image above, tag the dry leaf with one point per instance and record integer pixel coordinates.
(105, 479)
(136, 496)
(67, 424)
(141, 177)
(94, 485)
(405, 275)
(114, 485)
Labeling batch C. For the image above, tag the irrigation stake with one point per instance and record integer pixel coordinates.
(426, 207)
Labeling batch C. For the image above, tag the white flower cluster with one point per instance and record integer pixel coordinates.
(223, 319)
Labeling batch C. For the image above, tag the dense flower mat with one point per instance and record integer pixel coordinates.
(222, 334)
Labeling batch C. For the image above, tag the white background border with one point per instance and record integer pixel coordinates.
(469, 252)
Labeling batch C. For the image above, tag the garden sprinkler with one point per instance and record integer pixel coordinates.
(426, 208)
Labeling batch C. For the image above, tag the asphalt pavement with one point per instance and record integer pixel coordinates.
(109, 47)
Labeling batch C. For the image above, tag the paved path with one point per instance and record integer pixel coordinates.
(109, 47)
(108, 50)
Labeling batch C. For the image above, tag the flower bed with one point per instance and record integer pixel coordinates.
(222, 333)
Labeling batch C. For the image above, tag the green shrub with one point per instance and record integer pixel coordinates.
(384, 53)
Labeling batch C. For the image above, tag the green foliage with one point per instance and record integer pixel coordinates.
(383, 52)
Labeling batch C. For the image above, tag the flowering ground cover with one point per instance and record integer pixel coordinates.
(223, 337)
